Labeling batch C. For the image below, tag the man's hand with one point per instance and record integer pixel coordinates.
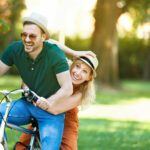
(84, 53)
(42, 103)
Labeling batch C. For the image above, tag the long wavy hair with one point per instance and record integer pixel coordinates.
(87, 88)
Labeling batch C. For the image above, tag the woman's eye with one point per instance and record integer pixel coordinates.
(84, 71)
(78, 66)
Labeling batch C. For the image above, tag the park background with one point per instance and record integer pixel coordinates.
(118, 31)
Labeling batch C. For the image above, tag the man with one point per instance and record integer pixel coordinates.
(44, 69)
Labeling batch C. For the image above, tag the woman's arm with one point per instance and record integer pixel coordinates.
(70, 51)
(57, 107)
(65, 105)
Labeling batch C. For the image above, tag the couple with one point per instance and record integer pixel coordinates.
(44, 69)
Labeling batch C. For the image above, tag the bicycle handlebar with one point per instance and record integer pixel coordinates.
(6, 92)
(29, 94)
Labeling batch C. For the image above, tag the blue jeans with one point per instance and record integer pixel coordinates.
(50, 126)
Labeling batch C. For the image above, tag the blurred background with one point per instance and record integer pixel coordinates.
(118, 31)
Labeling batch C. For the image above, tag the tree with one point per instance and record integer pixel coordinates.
(104, 39)
(4, 15)
(10, 13)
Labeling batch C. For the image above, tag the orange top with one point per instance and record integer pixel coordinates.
(70, 134)
(71, 124)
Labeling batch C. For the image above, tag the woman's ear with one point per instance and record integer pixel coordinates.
(91, 77)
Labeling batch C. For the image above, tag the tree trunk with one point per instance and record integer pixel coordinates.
(104, 41)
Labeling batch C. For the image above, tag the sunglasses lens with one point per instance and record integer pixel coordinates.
(31, 36)
(23, 35)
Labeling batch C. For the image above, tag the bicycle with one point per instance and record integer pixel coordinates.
(35, 141)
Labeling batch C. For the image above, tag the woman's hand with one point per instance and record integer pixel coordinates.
(84, 53)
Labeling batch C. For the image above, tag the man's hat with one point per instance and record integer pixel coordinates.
(39, 20)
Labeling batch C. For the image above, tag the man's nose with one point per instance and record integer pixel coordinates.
(27, 38)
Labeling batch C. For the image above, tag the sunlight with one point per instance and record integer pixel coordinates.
(71, 16)
(144, 31)
(138, 111)
(125, 22)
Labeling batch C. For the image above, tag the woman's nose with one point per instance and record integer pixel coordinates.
(78, 72)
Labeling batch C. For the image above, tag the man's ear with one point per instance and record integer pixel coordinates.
(43, 36)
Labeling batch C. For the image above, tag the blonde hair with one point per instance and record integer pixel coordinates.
(87, 88)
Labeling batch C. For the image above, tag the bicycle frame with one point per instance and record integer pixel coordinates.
(4, 124)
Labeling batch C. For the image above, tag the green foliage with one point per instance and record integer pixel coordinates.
(4, 27)
(132, 57)
(9, 22)
(139, 11)
(78, 43)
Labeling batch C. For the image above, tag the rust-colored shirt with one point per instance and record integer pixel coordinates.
(70, 134)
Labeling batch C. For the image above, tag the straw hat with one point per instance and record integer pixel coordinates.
(39, 20)
(92, 62)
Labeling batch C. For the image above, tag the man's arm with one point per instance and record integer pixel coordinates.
(3, 68)
(64, 92)
(70, 51)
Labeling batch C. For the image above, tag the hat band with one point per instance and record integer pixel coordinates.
(86, 59)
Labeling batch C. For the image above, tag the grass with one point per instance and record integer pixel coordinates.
(122, 128)
(106, 134)
(132, 91)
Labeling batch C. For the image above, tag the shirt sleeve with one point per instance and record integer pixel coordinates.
(7, 56)
(60, 62)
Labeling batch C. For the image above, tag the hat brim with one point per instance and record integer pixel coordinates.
(29, 19)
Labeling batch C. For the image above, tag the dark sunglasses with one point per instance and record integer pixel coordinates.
(24, 35)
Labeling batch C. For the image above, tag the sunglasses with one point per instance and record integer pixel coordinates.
(24, 35)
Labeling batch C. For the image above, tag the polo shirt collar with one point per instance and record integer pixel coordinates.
(42, 53)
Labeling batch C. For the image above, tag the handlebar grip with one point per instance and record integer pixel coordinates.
(30, 95)
(35, 98)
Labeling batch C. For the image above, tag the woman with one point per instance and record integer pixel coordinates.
(82, 72)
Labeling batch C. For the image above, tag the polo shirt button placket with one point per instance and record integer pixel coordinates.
(32, 68)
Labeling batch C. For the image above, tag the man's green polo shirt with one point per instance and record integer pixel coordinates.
(38, 74)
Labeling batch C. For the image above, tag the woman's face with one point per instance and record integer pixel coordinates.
(80, 73)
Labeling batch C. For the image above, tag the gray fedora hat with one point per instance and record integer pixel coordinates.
(39, 20)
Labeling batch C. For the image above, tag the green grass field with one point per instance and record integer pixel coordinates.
(118, 119)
